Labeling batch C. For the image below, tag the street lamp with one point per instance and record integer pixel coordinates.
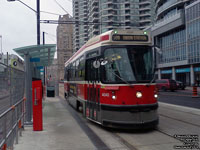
(38, 16)
(28, 81)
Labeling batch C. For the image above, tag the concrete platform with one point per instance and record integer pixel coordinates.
(61, 131)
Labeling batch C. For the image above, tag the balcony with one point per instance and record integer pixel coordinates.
(145, 21)
(109, 2)
(95, 8)
(169, 23)
(95, 30)
(144, 8)
(169, 5)
(143, 27)
(127, 2)
(94, 33)
(145, 14)
(95, 19)
(144, 3)
(95, 2)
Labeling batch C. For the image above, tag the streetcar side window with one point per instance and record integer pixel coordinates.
(81, 68)
(70, 73)
(90, 71)
(65, 75)
(76, 69)
(92, 74)
(73, 70)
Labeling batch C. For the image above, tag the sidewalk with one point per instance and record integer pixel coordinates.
(60, 131)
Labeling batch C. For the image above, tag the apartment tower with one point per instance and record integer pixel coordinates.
(98, 16)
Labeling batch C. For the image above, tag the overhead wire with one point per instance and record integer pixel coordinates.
(51, 13)
(80, 22)
(62, 7)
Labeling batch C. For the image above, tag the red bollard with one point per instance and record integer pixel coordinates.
(194, 92)
(4, 147)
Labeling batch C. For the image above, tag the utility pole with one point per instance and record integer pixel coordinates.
(38, 22)
(43, 35)
(28, 75)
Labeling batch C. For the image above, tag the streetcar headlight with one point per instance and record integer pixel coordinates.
(138, 94)
(156, 95)
(114, 97)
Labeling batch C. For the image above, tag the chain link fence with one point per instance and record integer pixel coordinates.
(12, 105)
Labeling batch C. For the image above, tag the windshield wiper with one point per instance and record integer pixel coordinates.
(121, 78)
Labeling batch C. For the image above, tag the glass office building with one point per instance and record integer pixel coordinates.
(177, 33)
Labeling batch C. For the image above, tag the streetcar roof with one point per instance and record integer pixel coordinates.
(105, 39)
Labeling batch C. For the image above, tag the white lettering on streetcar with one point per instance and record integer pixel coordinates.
(105, 94)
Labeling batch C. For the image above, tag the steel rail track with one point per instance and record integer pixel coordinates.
(180, 120)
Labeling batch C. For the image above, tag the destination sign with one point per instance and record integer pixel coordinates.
(130, 38)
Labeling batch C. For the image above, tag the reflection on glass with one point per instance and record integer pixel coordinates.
(130, 63)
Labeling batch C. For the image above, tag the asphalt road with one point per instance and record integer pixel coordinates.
(180, 97)
(174, 121)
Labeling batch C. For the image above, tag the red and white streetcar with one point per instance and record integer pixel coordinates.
(111, 76)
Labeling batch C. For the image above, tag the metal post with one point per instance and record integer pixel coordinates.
(43, 33)
(1, 44)
(44, 66)
(57, 83)
(38, 22)
(28, 85)
(7, 59)
(192, 75)
(173, 73)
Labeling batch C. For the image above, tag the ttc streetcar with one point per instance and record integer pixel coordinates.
(110, 78)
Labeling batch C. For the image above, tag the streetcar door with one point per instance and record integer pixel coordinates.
(93, 91)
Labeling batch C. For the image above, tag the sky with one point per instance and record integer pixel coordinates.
(18, 23)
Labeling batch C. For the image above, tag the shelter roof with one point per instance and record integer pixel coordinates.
(42, 55)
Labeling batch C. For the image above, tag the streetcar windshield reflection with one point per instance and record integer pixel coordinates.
(130, 63)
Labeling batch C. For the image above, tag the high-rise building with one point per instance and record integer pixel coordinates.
(177, 32)
(80, 13)
(64, 43)
(146, 13)
(98, 16)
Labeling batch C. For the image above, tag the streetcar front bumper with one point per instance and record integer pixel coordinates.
(130, 117)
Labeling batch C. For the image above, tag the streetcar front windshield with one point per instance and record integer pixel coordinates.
(130, 64)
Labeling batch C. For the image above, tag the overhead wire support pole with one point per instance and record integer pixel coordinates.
(38, 22)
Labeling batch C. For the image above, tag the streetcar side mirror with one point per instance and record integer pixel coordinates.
(98, 63)
(157, 49)
(104, 62)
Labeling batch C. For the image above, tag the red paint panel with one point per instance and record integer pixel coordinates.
(104, 38)
(127, 95)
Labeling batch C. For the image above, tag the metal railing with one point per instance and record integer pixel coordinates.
(12, 105)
